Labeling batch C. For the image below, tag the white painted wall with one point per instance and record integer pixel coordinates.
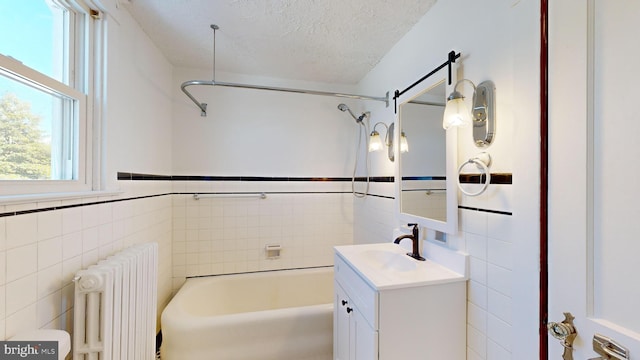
(499, 41)
(138, 101)
(261, 133)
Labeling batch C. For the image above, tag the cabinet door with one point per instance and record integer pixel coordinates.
(341, 324)
(364, 340)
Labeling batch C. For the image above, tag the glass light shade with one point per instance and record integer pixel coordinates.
(375, 143)
(456, 113)
(404, 145)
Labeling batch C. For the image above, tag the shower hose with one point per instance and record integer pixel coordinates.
(366, 165)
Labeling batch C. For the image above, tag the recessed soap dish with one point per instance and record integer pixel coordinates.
(272, 251)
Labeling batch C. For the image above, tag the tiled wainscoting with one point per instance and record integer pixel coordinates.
(228, 232)
(374, 215)
(43, 244)
(486, 230)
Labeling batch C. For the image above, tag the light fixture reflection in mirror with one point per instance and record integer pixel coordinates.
(404, 144)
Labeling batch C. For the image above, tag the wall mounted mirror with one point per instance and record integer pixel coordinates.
(426, 190)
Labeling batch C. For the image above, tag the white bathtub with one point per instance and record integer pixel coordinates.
(277, 315)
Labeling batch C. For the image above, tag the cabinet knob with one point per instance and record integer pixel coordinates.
(344, 302)
(349, 310)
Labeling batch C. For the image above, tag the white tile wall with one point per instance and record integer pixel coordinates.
(229, 235)
(40, 252)
(488, 240)
(375, 216)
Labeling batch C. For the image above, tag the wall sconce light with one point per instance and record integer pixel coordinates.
(482, 115)
(375, 143)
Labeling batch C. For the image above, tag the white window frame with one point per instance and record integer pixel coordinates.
(85, 75)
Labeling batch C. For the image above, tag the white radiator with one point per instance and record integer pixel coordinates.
(115, 306)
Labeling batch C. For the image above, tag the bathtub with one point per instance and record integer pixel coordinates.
(275, 315)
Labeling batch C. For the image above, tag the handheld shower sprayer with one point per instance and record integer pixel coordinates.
(364, 128)
(344, 107)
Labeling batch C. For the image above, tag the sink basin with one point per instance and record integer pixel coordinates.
(387, 266)
(386, 260)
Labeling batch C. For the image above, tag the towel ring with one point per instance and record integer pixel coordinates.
(482, 160)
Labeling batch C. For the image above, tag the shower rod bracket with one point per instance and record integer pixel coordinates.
(203, 106)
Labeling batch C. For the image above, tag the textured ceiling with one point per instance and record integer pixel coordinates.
(335, 41)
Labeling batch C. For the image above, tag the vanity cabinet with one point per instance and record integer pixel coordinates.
(354, 337)
(415, 321)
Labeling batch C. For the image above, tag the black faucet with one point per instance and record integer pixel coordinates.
(416, 242)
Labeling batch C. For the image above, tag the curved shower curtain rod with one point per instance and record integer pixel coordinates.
(203, 106)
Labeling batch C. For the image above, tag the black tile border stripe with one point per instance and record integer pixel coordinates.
(62, 207)
(386, 179)
(424, 178)
(375, 195)
(150, 177)
(496, 179)
(509, 213)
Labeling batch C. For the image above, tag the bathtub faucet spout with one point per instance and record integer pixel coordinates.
(415, 238)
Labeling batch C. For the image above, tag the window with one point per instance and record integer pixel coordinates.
(45, 59)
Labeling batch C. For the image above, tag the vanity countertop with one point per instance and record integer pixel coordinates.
(386, 266)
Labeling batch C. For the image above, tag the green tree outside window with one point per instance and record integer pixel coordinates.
(24, 152)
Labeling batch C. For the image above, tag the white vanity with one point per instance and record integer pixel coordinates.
(389, 306)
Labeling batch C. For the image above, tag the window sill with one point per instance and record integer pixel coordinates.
(44, 197)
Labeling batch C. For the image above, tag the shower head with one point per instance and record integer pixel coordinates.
(344, 107)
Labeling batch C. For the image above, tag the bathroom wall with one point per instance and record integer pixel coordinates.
(137, 103)
(262, 133)
(299, 149)
(499, 42)
(44, 242)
